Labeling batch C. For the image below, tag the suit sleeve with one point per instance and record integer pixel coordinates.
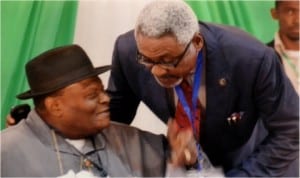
(124, 103)
(278, 106)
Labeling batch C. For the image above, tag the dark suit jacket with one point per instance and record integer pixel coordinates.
(264, 142)
(271, 44)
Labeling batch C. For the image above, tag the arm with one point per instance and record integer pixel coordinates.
(182, 145)
(124, 103)
(182, 160)
(16, 114)
(278, 107)
(10, 121)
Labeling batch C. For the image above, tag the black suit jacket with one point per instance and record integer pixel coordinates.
(264, 142)
(271, 44)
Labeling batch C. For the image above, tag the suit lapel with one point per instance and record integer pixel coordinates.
(218, 84)
(219, 90)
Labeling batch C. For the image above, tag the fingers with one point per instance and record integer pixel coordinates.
(10, 121)
(187, 155)
(186, 151)
(172, 131)
(182, 143)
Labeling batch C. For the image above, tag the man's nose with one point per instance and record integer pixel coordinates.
(296, 18)
(158, 71)
(104, 98)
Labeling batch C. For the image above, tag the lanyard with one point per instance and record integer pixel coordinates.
(196, 85)
(190, 111)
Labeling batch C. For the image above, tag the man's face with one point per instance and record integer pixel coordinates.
(84, 109)
(168, 61)
(287, 14)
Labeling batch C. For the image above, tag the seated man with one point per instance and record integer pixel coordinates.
(70, 128)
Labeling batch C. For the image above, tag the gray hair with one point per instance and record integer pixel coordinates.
(163, 17)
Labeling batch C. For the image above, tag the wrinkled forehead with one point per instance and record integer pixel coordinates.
(83, 84)
(90, 81)
(154, 44)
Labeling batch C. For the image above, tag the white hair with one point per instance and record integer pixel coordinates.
(163, 17)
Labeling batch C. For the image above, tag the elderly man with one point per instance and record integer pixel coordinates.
(70, 129)
(243, 110)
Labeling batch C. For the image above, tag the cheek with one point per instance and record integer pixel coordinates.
(82, 110)
(90, 105)
(284, 21)
(187, 66)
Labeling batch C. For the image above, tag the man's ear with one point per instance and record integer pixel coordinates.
(198, 41)
(274, 14)
(53, 106)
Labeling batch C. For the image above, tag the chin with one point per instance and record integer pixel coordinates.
(168, 83)
(294, 36)
(103, 122)
(106, 122)
(99, 126)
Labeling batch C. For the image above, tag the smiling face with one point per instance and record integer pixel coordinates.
(164, 53)
(79, 110)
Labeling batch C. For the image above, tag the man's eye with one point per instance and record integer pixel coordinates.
(169, 61)
(92, 95)
(147, 60)
(289, 11)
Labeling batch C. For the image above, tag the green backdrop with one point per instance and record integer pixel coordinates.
(251, 16)
(27, 29)
(30, 27)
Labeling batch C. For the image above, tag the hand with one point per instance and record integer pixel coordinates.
(16, 114)
(182, 143)
(10, 121)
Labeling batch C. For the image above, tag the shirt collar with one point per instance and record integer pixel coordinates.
(278, 44)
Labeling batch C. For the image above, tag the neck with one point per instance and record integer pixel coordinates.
(289, 44)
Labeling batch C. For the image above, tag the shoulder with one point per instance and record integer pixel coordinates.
(138, 148)
(127, 130)
(15, 135)
(126, 39)
(129, 35)
(270, 44)
(127, 133)
(14, 131)
(125, 45)
(234, 45)
(231, 39)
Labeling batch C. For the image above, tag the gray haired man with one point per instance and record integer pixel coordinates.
(247, 117)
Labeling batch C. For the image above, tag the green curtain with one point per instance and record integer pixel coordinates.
(251, 16)
(27, 29)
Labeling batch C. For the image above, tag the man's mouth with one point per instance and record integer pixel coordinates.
(103, 111)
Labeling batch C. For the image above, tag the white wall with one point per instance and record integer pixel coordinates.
(99, 22)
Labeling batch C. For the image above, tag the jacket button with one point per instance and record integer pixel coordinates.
(222, 82)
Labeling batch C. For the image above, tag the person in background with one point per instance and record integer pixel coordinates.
(239, 89)
(69, 130)
(286, 40)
